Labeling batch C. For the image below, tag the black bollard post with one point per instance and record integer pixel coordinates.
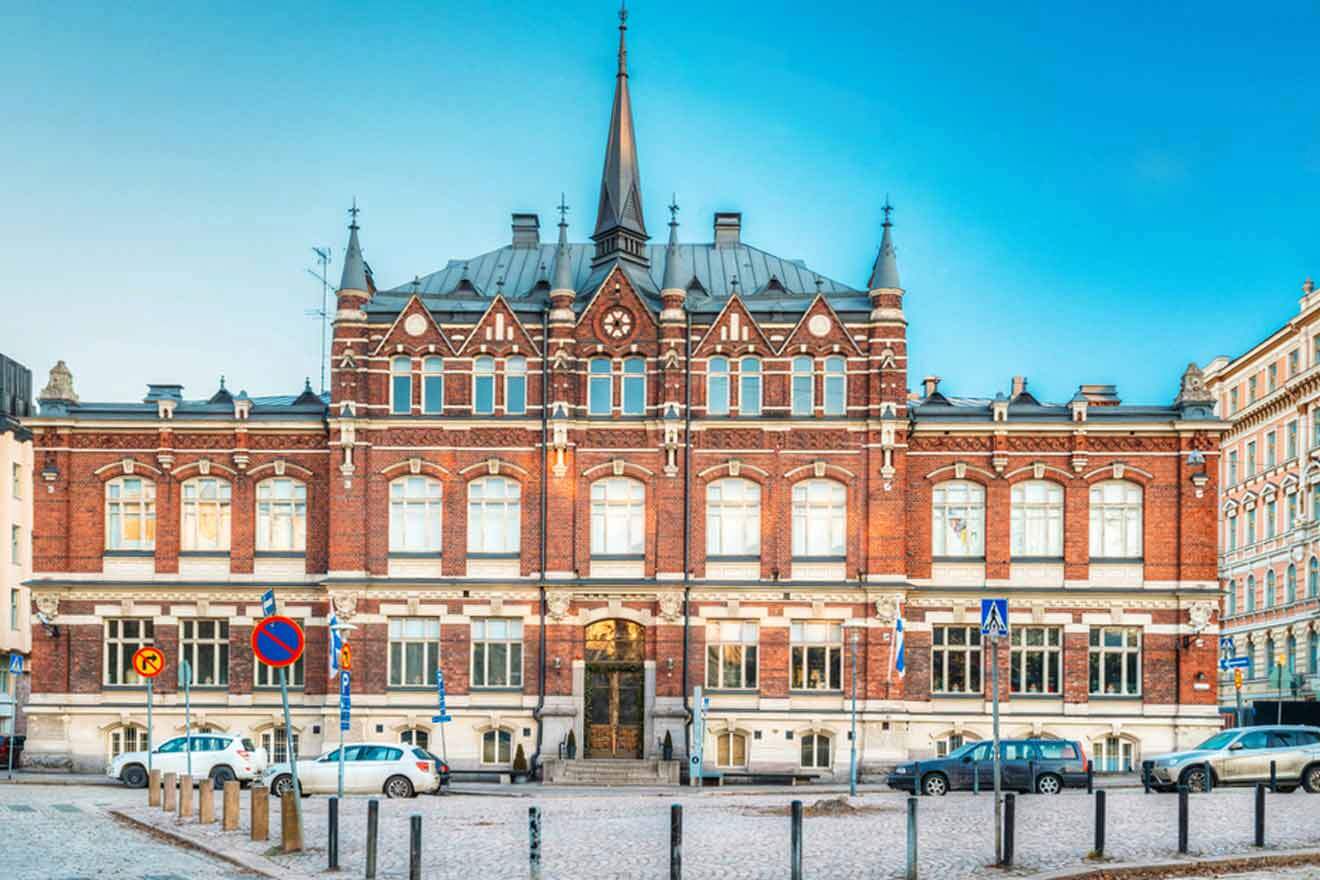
(976, 777)
(1274, 778)
(332, 834)
(795, 842)
(1182, 819)
(534, 842)
(1260, 814)
(1145, 779)
(911, 840)
(1031, 769)
(1090, 776)
(415, 849)
(1010, 825)
(675, 842)
(373, 826)
(916, 771)
(1209, 779)
(1100, 823)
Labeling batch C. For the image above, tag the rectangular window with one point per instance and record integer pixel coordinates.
(731, 655)
(1291, 448)
(836, 386)
(16, 545)
(1293, 362)
(1232, 533)
(955, 660)
(1251, 527)
(206, 517)
(1115, 661)
(130, 514)
(1232, 467)
(817, 656)
(634, 387)
(1271, 449)
(401, 386)
(803, 386)
(1292, 511)
(1315, 349)
(18, 481)
(958, 511)
(497, 652)
(1271, 518)
(717, 386)
(1037, 660)
(600, 388)
(265, 676)
(1251, 459)
(515, 386)
(433, 393)
(205, 645)
(13, 609)
(749, 387)
(1233, 400)
(1036, 520)
(123, 636)
(1272, 381)
(414, 651)
(281, 515)
(483, 386)
(1252, 389)
(276, 746)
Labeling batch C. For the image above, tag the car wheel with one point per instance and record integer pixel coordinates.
(935, 785)
(1048, 783)
(1311, 779)
(1195, 779)
(134, 776)
(222, 774)
(281, 786)
(398, 787)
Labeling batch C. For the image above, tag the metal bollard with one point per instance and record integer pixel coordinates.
(1274, 778)
(206, 801)
(795, 842)
(916, 778)
(1145, 779)
(534, 842)
(1100, 823)
(1090, 776)
(1010, 827)
(911, 839)
(976, 777)
(1260, 814)
(169, 800)
(415, 848)
(153, 789)
(332, 834)
(260, 812)
(1209, 779)
(1182, 819)
(229, 816)
(373, 826)
(1031, 768)
(675, 842)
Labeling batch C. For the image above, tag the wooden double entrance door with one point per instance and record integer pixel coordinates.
(615, 689)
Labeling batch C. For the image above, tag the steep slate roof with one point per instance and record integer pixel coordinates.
(270, 407)
(940, 408)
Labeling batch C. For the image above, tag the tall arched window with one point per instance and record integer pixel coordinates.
(401, 385)
(634, 386)
(1290, 585)
(1313, 653)
(415, 515)
(749, 386)
(281, 515)
(816, 751)
(733, 518)
(433, 385)
(1232, 597)
(1271, 659)
(1037, 519)
(730, 749)
(803, 386)
(1251, 593)
(483, 385)
(600, 387)
(515, 385)
(205, 525)
(717, 386)
(819, 519)
(1116, 520)
(958, 511)
(836, 386)
(494, 516)
(617, 517)
(415, 736)
(1269, 589)
(130, 514)
(1290, 656)
(1313, 577)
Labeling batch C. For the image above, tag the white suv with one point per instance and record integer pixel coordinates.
(221, 756)
(399, 771)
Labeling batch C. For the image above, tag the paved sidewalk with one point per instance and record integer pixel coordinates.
(56, 777)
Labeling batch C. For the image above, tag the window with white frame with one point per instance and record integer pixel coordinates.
(130, 514)
(483, 385)
(16, 545)
(749, 386)
(1251, 592)
(17, 481)
(730, 749)
(497, 747)
(1116, 520)
(206, 515)
(1230, 526)
(1113, 754)
(634, 386)
(1290, 585)
(205, 645)
(433, 385)
(1272, 376)
(281, 515)
(494, 516)
(1036, 659)
(269, 677)
(836, 386)
(1232, 597)
(951, 743)
(276, 746)
(123, 637)
(1291, 511)
(1271, 517)
(955, 660)
(1290, 445)
(1232, 467)
(1313, 577)
(401, 385)
(803, 386)
(958, 509)
(1294, 361)
(128, 738)
(617, 517)
(1269, 589)
(733, 518)
(731, 648)
(1271, 449)
(414, 650)
(816, 656)
(515, 385)
(600, 387)
(1115, 661)
(717, 386)
(1251, 526)
(1251, 458)
(415, 736)
(497, 652)
(1037, 519)
(817, 751)
(819, 519)
(415, 506)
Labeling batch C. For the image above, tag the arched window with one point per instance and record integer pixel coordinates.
(205, 525)
(415, 515)
(130, 514)
(1269, 589)
(717, 386)
(600, 387)
(1290, 657)
(733, 518)
(1313, 577)
(515, 385)
(483, 385)
(1232, 597)
(730, 749)
(1037, 519)
(433, 385)
(497, 747)
(1116, 520)
(617, 517)
(281, 515)
(819, 519)
(947, 745)
(276, 746)
(836, 386)
(803, 386)
(958, 510)
(1114, 754)
(127, 738)
(1251, 593)
(816, 751)
(494, 516)
(1271, 660)
(1290, 585)
(415, 736)
(1313, 653)
(749, 386)
(401, 385)
(634, 386)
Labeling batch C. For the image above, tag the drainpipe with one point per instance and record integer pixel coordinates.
(545, 466)
(687, 525)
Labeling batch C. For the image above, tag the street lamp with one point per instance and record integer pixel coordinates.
(339, 628)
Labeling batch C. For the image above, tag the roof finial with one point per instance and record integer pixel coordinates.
(563, 210)
(673, 210)
(884, 274)
(352, 213)
(623, 28)
(888, 209)
(416, 284)
(354, 276)
(222, 383)
(499, 286)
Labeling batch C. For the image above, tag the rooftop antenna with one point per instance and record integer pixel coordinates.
(323, 264)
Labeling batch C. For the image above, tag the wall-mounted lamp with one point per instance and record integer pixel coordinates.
(50, 473)
(669, 665)
(558, 663)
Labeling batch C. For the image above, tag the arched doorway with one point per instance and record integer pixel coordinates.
(615, 680)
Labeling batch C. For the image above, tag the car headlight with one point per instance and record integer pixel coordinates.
(901, 770)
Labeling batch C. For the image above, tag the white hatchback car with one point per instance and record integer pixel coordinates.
(369, 768)
(221, 756)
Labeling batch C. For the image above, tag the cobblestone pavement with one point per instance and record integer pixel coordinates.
(731, 836)
(62, 832)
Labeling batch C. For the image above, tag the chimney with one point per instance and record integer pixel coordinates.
(1019, 385)
(1100, 395)
(728, 228)
(526, 231)
(931, 385)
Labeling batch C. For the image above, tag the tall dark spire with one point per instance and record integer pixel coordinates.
(884, 274)
(620, 227)
(563, 256)
(355, 269)
(673, 270)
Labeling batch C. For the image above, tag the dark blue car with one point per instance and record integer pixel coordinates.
(1046, 766)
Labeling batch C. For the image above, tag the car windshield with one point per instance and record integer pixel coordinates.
(962, 750)
(1219, 740)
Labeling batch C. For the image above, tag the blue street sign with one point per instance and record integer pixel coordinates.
(994, 617)
(344, 725)
(441, 719)
(1225, 643)
(1228, 663)
(15, 664)
(440, 680)
(345, 683)
(268, 603)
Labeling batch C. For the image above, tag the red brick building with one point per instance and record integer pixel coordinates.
(585, 478)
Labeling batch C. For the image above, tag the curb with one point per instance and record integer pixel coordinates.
(1210, 866)
(246, 863)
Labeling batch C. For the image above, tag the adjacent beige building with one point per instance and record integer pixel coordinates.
(15, 537)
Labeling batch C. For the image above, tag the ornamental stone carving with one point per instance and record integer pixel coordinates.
(887, 607)
(48, 605)
(557, 605)
(345, 605)
(1199, 614)
(60, 386)
(671, 607)
(1193, 392)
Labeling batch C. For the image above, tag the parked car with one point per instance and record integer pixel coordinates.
(369, 768)
(1242, 756)
(221, 756)
(1046, 766)
(6, 741)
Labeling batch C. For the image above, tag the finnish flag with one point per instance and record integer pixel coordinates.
(336, 645)
(900, 664)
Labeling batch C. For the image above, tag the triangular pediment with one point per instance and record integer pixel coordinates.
(734, 331)
(820, 330)
(616, 315)
(499, 332)
(414, 329)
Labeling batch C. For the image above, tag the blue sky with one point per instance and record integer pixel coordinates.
(1082, 196)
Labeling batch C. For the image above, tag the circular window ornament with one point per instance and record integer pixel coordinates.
(414, 325)
(818, 325)
(617, 323)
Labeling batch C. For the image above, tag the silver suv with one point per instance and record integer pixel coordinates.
(1242, 756)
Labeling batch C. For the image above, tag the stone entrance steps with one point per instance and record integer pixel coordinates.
(611, 772)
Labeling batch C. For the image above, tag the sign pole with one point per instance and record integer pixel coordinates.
(999, 804)
(149, 739)
(695, 759)
(16, 671)
(345, 691)
(852, 751)
(444, 747)
(185, 674)
(289, 750)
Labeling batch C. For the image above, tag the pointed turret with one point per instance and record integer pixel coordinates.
(884, 274)
(620, 227)
(672, 292)
(561, 285)
(355, 268)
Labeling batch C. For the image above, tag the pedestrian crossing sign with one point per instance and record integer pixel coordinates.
(994, 617)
